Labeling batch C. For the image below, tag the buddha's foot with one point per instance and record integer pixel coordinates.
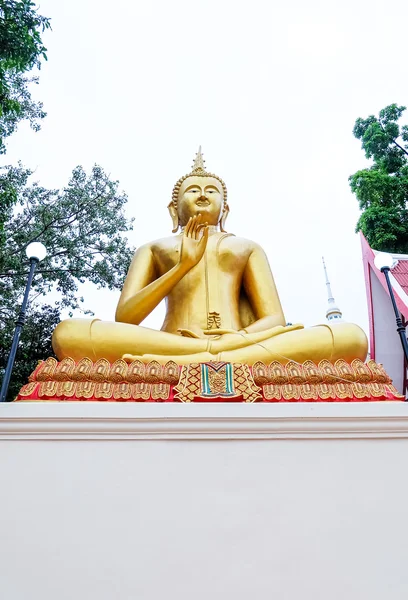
(146, 358)
(129, 358)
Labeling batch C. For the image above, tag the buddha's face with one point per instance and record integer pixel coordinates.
(202, 195)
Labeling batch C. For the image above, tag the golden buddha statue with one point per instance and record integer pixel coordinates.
(221, 299)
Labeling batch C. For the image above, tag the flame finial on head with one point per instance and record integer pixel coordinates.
(198, 164)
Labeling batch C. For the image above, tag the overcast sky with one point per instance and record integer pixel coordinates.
(270, 90)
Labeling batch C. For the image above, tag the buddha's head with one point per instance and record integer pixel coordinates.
(199, 192)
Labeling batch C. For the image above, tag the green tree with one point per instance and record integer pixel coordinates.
(21, 50)
(34, 343)
(82, 227)
(382, 189)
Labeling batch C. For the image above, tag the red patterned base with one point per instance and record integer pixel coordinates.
(208, 382)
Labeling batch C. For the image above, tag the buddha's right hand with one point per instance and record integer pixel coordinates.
(193, 245)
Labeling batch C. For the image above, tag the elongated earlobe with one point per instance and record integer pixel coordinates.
(174, 216)
(224, 216)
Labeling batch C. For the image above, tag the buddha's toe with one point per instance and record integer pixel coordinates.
(129, 358)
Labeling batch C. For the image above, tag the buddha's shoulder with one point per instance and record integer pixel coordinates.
(242, 242)
(174, 241)
(167, 243)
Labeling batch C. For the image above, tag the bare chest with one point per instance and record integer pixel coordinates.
(222, 254)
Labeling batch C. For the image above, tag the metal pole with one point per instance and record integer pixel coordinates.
(19, 325)
(400, 326)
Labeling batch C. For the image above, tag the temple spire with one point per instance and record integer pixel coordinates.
(332, 312)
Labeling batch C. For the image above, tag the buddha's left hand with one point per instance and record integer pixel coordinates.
(199, 333)
(268, 332)
(220, 331)
(227, 339)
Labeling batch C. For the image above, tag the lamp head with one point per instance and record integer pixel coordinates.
(383, 261)
(36, 251)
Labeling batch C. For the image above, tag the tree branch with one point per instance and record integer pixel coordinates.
(59, 218)
(400, 147)
(75, 272)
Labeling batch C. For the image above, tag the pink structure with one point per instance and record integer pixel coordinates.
(385, 344)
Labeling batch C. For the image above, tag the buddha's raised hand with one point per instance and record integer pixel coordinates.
(193, 244)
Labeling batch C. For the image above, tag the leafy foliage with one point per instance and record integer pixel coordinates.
(21, 50)
(382, 189)
(82, 226)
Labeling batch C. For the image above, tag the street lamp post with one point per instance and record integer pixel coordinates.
(35, 252)
(384, 262)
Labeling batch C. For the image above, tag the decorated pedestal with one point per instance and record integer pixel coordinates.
(208, 382)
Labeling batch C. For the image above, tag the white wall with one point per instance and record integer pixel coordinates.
(148, 501)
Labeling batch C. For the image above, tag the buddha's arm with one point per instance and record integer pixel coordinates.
(262, 293)
(143, 290)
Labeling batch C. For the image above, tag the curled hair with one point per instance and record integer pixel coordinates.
(198, 173)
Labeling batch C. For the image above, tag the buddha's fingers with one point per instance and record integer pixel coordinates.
(199, 228)
(204, 238)
(219, 331)
(188, 333)
(189, 226)
(194, 232)
(294, 327)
